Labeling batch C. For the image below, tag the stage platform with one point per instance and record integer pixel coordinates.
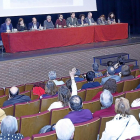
(28, 67)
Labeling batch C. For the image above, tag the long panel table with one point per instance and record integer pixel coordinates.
(34, 40)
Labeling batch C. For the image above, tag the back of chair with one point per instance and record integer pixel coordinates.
(46, 102)
(80, 84)
(46, 136)
(120, 86)
(82, 94)
(92, 105)
(27, 138)
(136, 138)
(3, 99)
(1, 92)
(64, 79)
(131, 66)
(34, 97)
(133, 72)
(103, 71)
(91, 92)
(9, 110)
(99, 79)
(27, 93)
(137, 72)
(57, 114)
(132, 95)
(131, 84)
(29, 87)
(29, 108)
(118, 96)
(7, 90)
(135, 111)
(21, 88)
(87, 130)
(104, 119)
(32, 124)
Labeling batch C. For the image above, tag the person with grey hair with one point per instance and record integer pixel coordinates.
(89, 19)
(48, 24)
(64, 129)
(95, 67)
(111, 74)
(15, 98)
(7, 26)
(77, 76)
(9, 127)
(106, 100)
(52, 76)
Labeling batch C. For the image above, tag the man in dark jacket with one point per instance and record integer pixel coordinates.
(15, 98)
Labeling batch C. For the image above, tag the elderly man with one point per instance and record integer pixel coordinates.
(15, 98)
(52, 76)
(72, 20)
(34, 24)
(110, 74)
(95, 67)
(9, 127)
(65, 129)
(89, 19)
(48, 24)
(78, 115)
(77, 74)
(106, 100)
(7, 26)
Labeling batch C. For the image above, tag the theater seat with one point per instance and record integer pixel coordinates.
(2, 92)
(118, 96)
(46, 102)
(64, 79)
(9, 110)
(131, 84)
(132, 95)
(57, 114)
(136, 138)
(29, 87)
(98, 79)
(104, 119)
(91, 92)
(133, 72)
(103, 71)
(135, 111)
(80, 84)
(46, 136)
(92, 105)
(27, 93)
(27, 138)
(3, 99)
(120, 86)
(27, 108)
(82, 94)
(87, 130)
(34, 97)
(32, 124)
(131, 66)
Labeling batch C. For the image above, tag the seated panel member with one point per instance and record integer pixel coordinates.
(34, 24)
(7, 26)
(81, 20)
(60, 22)
(72, 21)
(89, 19)
(111, 18)
(21, 26)
(48, 24)
(101, 20)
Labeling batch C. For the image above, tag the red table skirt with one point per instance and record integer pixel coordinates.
(34, 40)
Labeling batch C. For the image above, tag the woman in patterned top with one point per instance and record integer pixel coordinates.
(95, 67)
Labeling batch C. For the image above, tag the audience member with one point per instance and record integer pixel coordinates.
(110, 85)
(65, 129)
(81, 20)
(89, 19)
(7, 26)
(102, 20)
(110, 74)
(60, 22)
(110, 63)
(72, 20)
(126, 73)
(64, 93)
(78, 115)
(2, 116)
(52, 76)
(95, 67)
(21, 26)
(48, 24)
(77, 74)
(111, 18)
(136, 103)
(90, 79)
(9, 127)
(123, 126)
(34, 24)
(106, 100)
(15, 98)
(120, 63)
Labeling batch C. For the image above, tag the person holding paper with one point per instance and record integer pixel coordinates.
(7, 26)
(60, 22)
(34, 24)
(48, 24)
(89, 19)
(21, 26)
(72, 21)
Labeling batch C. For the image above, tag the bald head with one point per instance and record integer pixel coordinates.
(111, 70)
(13, 91)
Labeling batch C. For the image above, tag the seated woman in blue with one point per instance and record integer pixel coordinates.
(102, 20)
(111, 18)
(81, 20)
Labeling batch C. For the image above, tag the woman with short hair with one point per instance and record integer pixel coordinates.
(102, 20)
(81, 20)
(21, 26)
(123, 126)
